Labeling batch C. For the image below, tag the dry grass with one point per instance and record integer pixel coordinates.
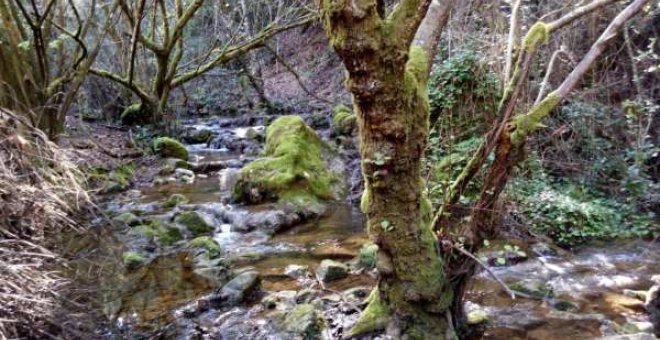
(39, 194)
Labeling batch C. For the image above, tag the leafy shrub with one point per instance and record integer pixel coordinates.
(463, 93)
(572, 214)
(444, 163)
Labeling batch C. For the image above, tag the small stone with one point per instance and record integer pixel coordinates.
(181, 172)
(330, 270)
(238, 289)
(304, 320)
(296, 271)
(476, 317)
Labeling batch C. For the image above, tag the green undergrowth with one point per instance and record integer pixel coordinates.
(293, 170)
(443, 164)
(463, 93)
(572, 213)
(135, 115)
(110, 181)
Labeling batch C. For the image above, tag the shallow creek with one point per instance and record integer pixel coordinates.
(575, 295)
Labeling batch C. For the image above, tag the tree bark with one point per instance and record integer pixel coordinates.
(388, 81)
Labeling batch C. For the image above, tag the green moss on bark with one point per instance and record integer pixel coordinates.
(374, 318)
(293, 169)
(537, 35)
(343, 120)
(523, 125)
(364, 201)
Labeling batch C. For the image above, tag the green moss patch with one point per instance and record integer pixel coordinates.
(368, 256)
(132, 260)
(344, 121)
(375, 317)
(194, 223)
(293, 170)
(165, 234)
(207, 243)
(174, 200)
(169, 147)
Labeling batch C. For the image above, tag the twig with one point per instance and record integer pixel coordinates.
(497, 279)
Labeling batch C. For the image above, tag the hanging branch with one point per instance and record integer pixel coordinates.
(546, 79)
(134, 39)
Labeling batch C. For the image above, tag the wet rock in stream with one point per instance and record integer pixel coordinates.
(330, 270)
(236, 290)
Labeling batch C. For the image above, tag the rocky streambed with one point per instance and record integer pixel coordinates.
(181, 260)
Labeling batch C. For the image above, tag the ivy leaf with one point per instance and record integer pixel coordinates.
(386, 225)
(500, 261)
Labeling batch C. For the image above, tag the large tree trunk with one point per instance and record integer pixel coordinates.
(388, 80)
(422, 280)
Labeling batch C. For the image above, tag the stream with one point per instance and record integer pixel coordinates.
(565, 295)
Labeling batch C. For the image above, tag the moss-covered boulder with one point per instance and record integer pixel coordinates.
(169, 147)
(166, 235)
(343, 120)
(295, 168)
(135, 114)
(330, 270)
(194, 222)
(304, 321)
(207, 243)
(174, 200)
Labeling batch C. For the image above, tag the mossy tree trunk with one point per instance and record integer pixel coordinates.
(387, 75)
(423, 278)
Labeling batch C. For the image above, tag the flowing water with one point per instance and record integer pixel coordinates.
(566, 295)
